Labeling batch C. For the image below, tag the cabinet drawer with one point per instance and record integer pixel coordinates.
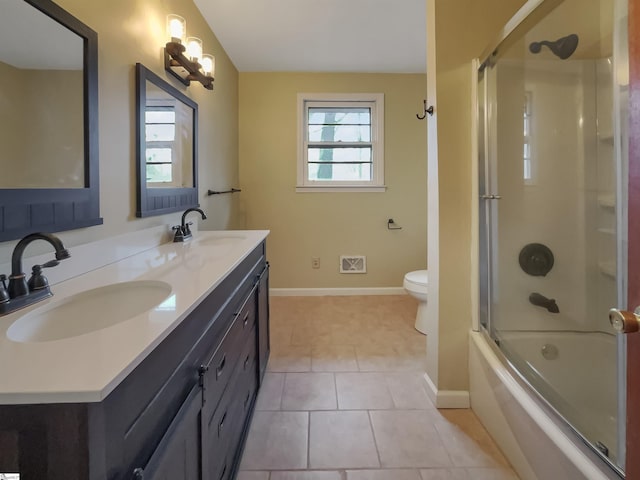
(223, 468)
(245, 394)
(217, 430)
(217, 371)
(222, 426)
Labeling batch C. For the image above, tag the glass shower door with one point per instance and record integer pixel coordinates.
(550, 212)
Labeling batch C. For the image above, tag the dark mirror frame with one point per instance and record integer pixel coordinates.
(26, 210)
(158, 201)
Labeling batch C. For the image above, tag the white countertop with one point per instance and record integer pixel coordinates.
(86, 368)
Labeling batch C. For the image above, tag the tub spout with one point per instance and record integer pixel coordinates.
(542, 301)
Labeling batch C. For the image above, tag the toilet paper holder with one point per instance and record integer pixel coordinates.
(391, 225)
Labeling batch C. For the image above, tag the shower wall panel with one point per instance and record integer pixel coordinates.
(549, 206)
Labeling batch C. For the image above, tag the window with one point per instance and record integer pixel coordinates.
(341, 143)
(160, 136)
(527, 173)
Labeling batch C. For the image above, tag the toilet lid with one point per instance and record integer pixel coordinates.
(419, 277)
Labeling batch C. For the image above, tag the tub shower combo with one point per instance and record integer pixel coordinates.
(552, 169)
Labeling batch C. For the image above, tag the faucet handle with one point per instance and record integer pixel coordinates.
(37, 281)
(4, 293)
(179, 235)
(187, 230)
(49, 264)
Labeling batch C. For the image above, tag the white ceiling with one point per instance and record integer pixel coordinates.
(378, 36)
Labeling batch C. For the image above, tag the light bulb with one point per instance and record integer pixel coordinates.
(208, 64)
(194, 49)
(176, 28)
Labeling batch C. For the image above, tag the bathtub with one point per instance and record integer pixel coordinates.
(538, 444)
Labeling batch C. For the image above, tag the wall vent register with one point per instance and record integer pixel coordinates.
(353, 264)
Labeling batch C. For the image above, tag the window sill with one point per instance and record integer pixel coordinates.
(339, 188)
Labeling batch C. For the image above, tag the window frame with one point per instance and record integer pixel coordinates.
(176, 171)
(375, 101)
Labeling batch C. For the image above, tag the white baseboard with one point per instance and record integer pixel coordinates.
(322, 292)
(446, 398)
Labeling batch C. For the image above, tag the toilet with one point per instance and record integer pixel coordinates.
(416, 283)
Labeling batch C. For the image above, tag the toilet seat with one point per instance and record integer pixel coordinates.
(418, 277)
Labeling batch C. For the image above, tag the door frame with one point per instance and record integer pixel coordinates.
(632, 464)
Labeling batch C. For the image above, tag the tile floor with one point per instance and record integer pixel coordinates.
(344, 399)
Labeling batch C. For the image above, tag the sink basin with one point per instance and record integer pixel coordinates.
(226, 240)
(89, 311)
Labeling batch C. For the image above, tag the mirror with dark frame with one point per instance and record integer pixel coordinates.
(48, 120)
(167, 152)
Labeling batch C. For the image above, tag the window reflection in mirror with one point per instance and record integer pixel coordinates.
(169, 140)
(41, 101)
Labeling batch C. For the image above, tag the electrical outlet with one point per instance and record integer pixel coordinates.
(315, 262)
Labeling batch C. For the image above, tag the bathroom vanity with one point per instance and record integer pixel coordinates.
(167, 394)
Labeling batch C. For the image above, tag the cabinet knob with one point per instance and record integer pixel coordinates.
(221, 424)
(138, 474)
(220, 368)
(246, 362)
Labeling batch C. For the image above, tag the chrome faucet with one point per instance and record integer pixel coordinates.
(20, 292)
(183, 232)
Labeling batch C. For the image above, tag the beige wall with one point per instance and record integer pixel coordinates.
(53, 110)
(11, 92)
(326, 225)
(464, 28)
(41, 128)
(130, 32)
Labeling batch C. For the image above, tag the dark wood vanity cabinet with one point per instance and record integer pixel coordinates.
(178, 453)
(183, 413)
(263, 322)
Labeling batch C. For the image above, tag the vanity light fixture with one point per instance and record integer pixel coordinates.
(183, 57)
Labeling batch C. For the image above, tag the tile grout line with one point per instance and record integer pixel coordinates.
(386, 384)
(284, 379)
(308, 440)
(444, 447)
(375, 441)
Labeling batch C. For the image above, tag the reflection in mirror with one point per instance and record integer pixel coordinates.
(41, 114)
(166, 156)
(48, 120)
(169, 140)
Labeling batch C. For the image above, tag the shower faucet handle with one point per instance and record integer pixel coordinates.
(624, 321)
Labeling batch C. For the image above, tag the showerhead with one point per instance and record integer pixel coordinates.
(563, 48)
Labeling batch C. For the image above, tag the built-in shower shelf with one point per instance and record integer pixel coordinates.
(607, 200)
(608, 269)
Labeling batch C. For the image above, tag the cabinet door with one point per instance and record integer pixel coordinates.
(263, 321)
(178, 453)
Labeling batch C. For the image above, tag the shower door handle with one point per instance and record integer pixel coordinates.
(624, 321)
(490, 197)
